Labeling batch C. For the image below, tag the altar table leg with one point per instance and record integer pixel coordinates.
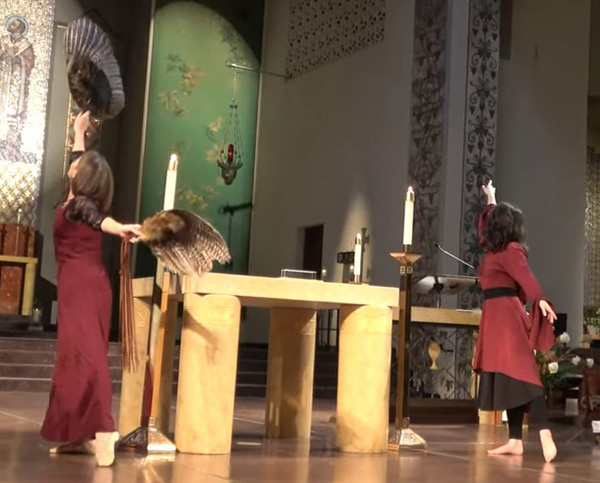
(290, 373)
(364, 379)
(207, 372)
(132, 383)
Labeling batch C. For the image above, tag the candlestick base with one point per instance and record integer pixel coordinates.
(405, 438)
(147, 439)
(406, 258)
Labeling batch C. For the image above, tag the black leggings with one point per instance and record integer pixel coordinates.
(515, 418)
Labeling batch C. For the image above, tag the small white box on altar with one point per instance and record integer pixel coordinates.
(303, 274)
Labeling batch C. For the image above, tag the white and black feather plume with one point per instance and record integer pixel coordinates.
(92, 69)
(184, 242)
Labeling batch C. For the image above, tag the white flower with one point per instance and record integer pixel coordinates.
(553, 367)
(590, 362)
(564, 338)
(576, 360)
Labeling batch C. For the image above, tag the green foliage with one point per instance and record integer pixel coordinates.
(556, 366)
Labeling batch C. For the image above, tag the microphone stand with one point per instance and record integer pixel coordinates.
(437, 245)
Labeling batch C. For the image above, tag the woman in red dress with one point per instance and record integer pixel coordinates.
(80, 407)
(508, 335)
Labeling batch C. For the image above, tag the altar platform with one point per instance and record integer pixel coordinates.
(456, 454)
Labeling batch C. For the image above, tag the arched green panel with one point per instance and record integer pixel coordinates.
(191, 90)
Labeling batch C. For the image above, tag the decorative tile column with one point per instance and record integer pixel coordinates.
(480, 127)
(427, 129)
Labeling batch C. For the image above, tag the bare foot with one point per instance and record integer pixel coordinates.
(85, 447)
(513, 447)
(105, 448)
(548, 446)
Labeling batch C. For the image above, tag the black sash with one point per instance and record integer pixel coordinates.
(497, 292)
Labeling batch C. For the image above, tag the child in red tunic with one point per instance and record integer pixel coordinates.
(80, 406)
(508, 335)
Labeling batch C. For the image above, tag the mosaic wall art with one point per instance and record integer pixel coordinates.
(322, 31)
(480, 128)
(427, 127)
(25, 54)
(592, 230)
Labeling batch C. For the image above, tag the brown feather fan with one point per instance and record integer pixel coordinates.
(185, 243)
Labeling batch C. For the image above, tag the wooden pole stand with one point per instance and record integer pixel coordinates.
(402, 436)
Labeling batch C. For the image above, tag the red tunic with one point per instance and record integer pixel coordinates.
(507, 334)
(81, 393)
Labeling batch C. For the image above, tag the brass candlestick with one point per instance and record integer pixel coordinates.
(148, 438)
(402, 436)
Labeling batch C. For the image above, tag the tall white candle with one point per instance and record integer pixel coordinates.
(171, 183)
(409, 211)
(357, 257)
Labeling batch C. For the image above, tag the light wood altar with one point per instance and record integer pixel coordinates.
(208, 361)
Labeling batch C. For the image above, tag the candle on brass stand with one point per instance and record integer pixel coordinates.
(403, 437)
(148, 437)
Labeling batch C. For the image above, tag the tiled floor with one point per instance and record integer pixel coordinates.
(455, 454)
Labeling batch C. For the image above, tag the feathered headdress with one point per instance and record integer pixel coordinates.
(92, 69)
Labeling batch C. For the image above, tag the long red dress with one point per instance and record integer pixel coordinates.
(504, 354)
(81, 393)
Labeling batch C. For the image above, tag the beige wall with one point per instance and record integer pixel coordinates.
(542, 130)
(332, 149)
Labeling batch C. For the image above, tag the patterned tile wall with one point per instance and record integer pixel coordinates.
(480, 127)
(322, 31)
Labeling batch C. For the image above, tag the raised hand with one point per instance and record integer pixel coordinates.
(81, 123)
(490, 192)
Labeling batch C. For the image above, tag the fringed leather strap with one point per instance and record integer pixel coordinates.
(128, 344)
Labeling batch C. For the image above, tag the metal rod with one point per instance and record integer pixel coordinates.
(252, 69)
(454, 257)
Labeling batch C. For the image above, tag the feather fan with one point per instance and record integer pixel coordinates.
(92, 69)
(184, 242)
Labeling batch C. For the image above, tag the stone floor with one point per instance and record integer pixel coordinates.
(455, 454)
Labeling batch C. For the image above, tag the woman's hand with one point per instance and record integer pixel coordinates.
(547, 311)
(490, 193)
(82, 122)
(131, 232)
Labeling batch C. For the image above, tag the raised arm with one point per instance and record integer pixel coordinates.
(490, 194)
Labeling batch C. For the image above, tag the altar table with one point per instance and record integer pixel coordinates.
(209, 348)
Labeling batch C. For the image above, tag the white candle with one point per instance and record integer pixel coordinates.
(171, 183)
(409, 211)
(357, 256)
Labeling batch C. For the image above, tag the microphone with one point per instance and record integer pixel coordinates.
(437, 245)
(229, 209)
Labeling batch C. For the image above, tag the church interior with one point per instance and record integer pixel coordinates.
(339, 148)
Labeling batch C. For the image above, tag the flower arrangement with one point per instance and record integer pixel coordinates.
(559, 364)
